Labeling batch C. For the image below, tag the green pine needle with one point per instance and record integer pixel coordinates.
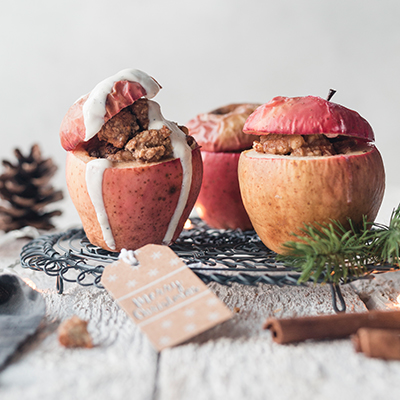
(330, 253)
(387, 241)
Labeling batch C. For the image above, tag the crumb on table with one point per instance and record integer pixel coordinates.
(73, 333)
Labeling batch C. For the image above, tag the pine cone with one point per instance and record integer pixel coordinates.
(25, 186)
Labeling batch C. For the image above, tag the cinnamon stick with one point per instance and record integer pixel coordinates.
(329, 326)
(378, 343)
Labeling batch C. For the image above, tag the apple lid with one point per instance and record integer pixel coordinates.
(89, 113)
(221, 130)
(307, 116)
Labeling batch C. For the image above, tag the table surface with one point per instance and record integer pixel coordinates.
(235, 360)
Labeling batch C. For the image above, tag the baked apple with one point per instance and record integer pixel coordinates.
(132, 175)
(220, 135)
(314, 162)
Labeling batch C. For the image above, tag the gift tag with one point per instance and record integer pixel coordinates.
(163, 296)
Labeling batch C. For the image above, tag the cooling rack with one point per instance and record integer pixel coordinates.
(222, 256)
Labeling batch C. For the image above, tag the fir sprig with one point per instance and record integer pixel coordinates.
(387, 241)
(331, 253)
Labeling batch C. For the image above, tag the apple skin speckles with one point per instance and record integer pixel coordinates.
(138, 199)
(281, 194)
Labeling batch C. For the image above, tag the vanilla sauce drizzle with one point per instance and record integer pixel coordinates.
(94, 111)
(94, 183)
(182, 151)
(94, 108)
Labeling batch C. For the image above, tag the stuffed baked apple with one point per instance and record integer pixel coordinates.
(220, 135)
(132, 175)
(314, 162)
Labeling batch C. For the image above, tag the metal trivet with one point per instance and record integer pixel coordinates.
(226, 257)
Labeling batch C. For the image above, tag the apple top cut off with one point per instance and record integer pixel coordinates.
(307, 116)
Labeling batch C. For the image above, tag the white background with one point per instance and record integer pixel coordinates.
(205, 54)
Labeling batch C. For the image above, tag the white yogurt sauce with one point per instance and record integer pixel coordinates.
(94, 111)
(182, 151)
(128, 256)
(94, 108)
(94, 183)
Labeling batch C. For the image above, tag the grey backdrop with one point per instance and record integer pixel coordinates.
(205, 54)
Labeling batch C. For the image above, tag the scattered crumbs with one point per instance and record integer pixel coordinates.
(73, 333)
(277, 310)
(236, 309)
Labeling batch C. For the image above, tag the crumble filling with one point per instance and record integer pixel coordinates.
(126, 137)
(305, 145)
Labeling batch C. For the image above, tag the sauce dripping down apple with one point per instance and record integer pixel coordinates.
(94, 111)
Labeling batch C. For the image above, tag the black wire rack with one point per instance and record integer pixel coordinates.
(222, 256)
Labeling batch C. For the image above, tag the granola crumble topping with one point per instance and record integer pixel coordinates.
(304, 145)
(126, 137)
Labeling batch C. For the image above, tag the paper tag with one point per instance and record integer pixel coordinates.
(163, 296)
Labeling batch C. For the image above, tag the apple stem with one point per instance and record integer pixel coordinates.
(330, 94)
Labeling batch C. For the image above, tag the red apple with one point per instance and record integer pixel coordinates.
(128, 204)
(281, 193)
(307, 116)
(139, 199)
(219, 133)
